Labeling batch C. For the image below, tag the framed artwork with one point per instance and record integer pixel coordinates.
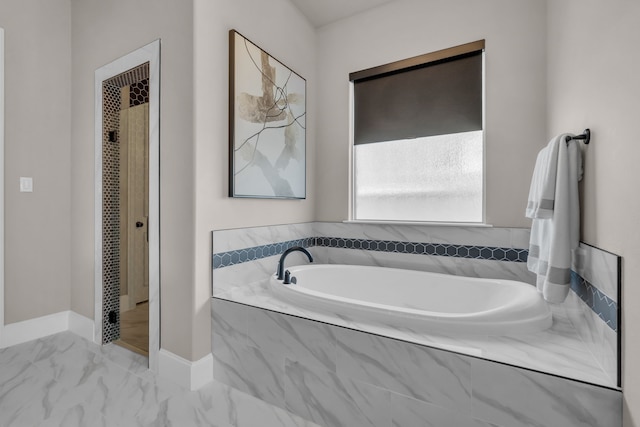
(267, 124)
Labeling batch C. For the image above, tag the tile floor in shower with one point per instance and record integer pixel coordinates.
(64, 380)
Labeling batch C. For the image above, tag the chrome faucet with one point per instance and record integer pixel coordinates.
(280, 269)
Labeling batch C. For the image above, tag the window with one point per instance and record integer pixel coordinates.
(418, 138)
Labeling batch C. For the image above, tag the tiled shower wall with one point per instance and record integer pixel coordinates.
(110, 212)
(137, 79)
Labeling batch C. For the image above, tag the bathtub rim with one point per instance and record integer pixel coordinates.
(444, 323)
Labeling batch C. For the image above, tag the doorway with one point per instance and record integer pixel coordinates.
(132, 137)
(1, 188)
(127, 203)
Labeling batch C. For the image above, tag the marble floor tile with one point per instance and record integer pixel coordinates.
(63, 380)
(222, 406)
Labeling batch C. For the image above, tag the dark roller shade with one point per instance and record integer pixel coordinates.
(435, 98)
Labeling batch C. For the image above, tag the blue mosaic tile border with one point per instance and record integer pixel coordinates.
(227, 259)
(437, 249)
(601, 304)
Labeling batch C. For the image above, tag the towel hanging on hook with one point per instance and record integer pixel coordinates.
(585, 136)
(553, 205)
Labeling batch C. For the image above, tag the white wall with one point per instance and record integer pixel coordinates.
(101, 32)
(37, 144)
(280, 29)
(515, 35)
(593, 82)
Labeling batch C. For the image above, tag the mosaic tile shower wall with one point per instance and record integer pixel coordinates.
(134, 75)
(138, 81)
(139, 93)
(110, 213)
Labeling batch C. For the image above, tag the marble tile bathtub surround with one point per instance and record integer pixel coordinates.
(340, 377)
(600, 303)
(600, 268)
(484, 268)
(408, 247)
(456, 235)
(593, 305)
(239, 275)
(332, 400)
(435, 376)
(241, 238)
(515, 397)
(558, 350)
(241, 256)
(231, 247)
(597, 270)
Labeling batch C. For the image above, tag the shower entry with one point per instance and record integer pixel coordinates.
(127, 209)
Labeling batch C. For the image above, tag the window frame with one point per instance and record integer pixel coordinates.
(397, 66)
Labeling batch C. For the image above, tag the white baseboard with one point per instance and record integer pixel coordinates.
(188, 374)
(32, 329)
(40, 327)
(81, 326)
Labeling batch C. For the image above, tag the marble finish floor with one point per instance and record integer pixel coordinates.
(134, 329)
(64, 380)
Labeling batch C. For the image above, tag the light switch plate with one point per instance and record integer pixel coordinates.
(26, 184)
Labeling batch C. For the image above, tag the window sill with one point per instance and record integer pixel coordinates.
(424, 223)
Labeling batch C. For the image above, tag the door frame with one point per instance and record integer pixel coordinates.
(149, 53)
(2, 339)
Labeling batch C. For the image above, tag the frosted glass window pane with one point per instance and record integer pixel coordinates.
(436, 178)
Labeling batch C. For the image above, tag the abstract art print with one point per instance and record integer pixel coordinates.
(267, 121)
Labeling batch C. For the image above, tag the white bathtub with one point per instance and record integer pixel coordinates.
(420, 301)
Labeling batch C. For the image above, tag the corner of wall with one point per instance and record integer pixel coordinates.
(190, 375)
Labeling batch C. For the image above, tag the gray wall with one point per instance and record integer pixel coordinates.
(280, 29)
(515, 34)
(603, 95)
(102, 32)
(37, 144)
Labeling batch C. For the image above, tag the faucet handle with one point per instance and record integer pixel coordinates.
(287, 278)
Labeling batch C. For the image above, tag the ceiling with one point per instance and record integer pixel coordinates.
(323, 12)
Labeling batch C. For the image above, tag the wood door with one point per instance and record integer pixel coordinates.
(135, 154)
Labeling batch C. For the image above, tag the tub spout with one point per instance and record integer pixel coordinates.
(280, 269)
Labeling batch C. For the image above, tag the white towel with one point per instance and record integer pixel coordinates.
(543, 184)
(554, 238)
